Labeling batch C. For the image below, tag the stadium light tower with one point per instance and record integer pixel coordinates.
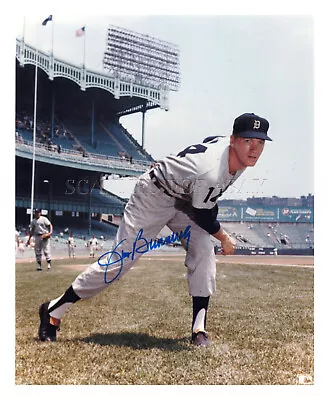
(134, 57)
(144, 61)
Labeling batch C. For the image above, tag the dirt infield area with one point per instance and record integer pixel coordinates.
(289, 261)
(306, 261)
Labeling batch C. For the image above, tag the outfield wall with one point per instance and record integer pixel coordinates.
(267, 251)
(265, 214)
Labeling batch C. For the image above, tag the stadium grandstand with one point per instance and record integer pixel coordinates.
(69, 138)
(269, 225)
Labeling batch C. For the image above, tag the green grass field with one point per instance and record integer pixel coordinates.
(137, 332)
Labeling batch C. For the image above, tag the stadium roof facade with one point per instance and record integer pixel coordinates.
(134, 97)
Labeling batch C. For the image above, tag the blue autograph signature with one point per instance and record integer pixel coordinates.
(140, 246)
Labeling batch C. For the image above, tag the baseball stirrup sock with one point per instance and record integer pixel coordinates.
(57, 307)
(200, 307)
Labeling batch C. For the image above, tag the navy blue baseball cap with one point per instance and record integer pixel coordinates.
(37, 210)
(250, 125)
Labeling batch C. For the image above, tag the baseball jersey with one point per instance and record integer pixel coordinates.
(199, 174)
(93, 242)
(70, 241)
(40, 225)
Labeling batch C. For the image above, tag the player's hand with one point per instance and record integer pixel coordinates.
(228, 246)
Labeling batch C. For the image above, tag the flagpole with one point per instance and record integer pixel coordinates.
(84, 48)
(24, 29)
(52, 37)
(52, 69)
(22, 49)
(34, 129)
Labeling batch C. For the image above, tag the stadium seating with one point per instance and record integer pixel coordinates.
(106, 197)
(131, 146)
(109, 139)
(284, 235)
(79, 228)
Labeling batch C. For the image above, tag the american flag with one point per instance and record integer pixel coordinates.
(50, 18)
(80, 32)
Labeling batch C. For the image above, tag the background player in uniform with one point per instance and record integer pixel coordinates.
(16, 240)
(93, 243)
(180, 192)
(71, 245)
(41, 230)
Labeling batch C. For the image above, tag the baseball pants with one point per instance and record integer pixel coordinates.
(92, 250)
(42, 246)
(71, 250)
(150, 209)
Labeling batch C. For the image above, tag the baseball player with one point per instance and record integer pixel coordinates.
(93, 243)
(41, 229)
(71, 245)
(16, 240)
(181, 192)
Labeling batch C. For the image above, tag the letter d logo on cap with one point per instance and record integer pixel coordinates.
(256, 124)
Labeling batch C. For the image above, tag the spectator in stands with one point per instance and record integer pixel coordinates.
(50, 144)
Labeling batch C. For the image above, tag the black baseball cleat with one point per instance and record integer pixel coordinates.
(200, 339)
(47, 331)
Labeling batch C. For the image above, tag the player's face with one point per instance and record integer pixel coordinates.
(246, 151)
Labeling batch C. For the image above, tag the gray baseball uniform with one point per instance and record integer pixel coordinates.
(180, 192)
(38, 227)
(93, 243)
(71, 245)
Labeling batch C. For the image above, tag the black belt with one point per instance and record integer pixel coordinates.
(158, 184)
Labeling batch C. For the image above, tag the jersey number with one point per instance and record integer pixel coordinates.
(199, 148)
(211, 189)
(194, 149)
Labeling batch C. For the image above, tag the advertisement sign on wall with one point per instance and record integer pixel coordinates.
(266, 214)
